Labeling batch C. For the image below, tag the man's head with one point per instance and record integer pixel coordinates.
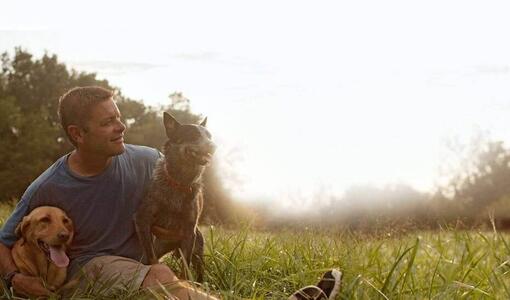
(91, 120)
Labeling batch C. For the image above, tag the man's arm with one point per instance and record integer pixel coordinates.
(26, 285)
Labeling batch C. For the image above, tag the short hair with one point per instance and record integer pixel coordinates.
(75, 105)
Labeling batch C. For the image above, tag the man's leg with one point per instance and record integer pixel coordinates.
(160, 274)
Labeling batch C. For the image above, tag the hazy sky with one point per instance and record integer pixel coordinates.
(301, 96)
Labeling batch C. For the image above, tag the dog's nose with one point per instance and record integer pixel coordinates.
(63, 236)
(212, 148)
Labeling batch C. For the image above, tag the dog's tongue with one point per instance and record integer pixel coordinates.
(59, 256)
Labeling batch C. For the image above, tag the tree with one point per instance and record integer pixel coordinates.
(488, 179)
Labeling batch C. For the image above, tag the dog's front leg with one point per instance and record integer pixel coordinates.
(144, 218)
(197, 256)
(186, 249)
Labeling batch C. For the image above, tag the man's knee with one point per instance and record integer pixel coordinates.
(159, 274)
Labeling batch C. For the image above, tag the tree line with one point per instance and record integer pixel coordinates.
(476, 195)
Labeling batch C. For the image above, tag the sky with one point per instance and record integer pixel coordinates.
(301, 97)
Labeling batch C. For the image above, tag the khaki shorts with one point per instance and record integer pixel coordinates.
(107, 275)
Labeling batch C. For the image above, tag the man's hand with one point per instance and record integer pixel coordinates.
(29, 286)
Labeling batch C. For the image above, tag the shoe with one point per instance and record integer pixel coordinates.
(326, 289)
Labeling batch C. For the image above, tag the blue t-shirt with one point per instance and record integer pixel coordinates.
(100, 206)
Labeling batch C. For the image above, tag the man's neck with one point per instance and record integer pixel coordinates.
(87, 164)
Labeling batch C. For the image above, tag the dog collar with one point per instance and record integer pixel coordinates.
(177, 185)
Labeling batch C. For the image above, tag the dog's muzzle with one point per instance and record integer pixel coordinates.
(55, 253)
(202, 155)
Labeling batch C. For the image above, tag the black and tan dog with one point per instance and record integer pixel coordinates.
(45, 235)
(167, 219)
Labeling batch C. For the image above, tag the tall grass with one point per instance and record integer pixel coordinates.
(445, 264)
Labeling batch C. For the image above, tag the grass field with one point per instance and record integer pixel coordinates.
(445, 264)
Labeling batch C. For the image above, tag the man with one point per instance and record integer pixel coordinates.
(99, 185)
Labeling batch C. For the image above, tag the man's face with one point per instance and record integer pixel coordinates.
(105, 131)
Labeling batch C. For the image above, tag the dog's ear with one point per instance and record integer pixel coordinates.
(204, 122)
(171, 124)
(70, 227)
(22, 227)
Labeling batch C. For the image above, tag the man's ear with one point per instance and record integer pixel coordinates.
(22, 227)
(171, 124)
(75, 133)
(204, 122)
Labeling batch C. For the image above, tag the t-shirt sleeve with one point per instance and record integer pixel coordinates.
(7, 235)
(144, 160)
(148, 156)
(151, 163)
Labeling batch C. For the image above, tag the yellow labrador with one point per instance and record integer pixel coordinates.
(45, 234)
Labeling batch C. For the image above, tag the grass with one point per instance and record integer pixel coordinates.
(441, 265)
(446, 264)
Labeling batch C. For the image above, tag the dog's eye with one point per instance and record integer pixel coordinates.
(45, 220)
(66, 221)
